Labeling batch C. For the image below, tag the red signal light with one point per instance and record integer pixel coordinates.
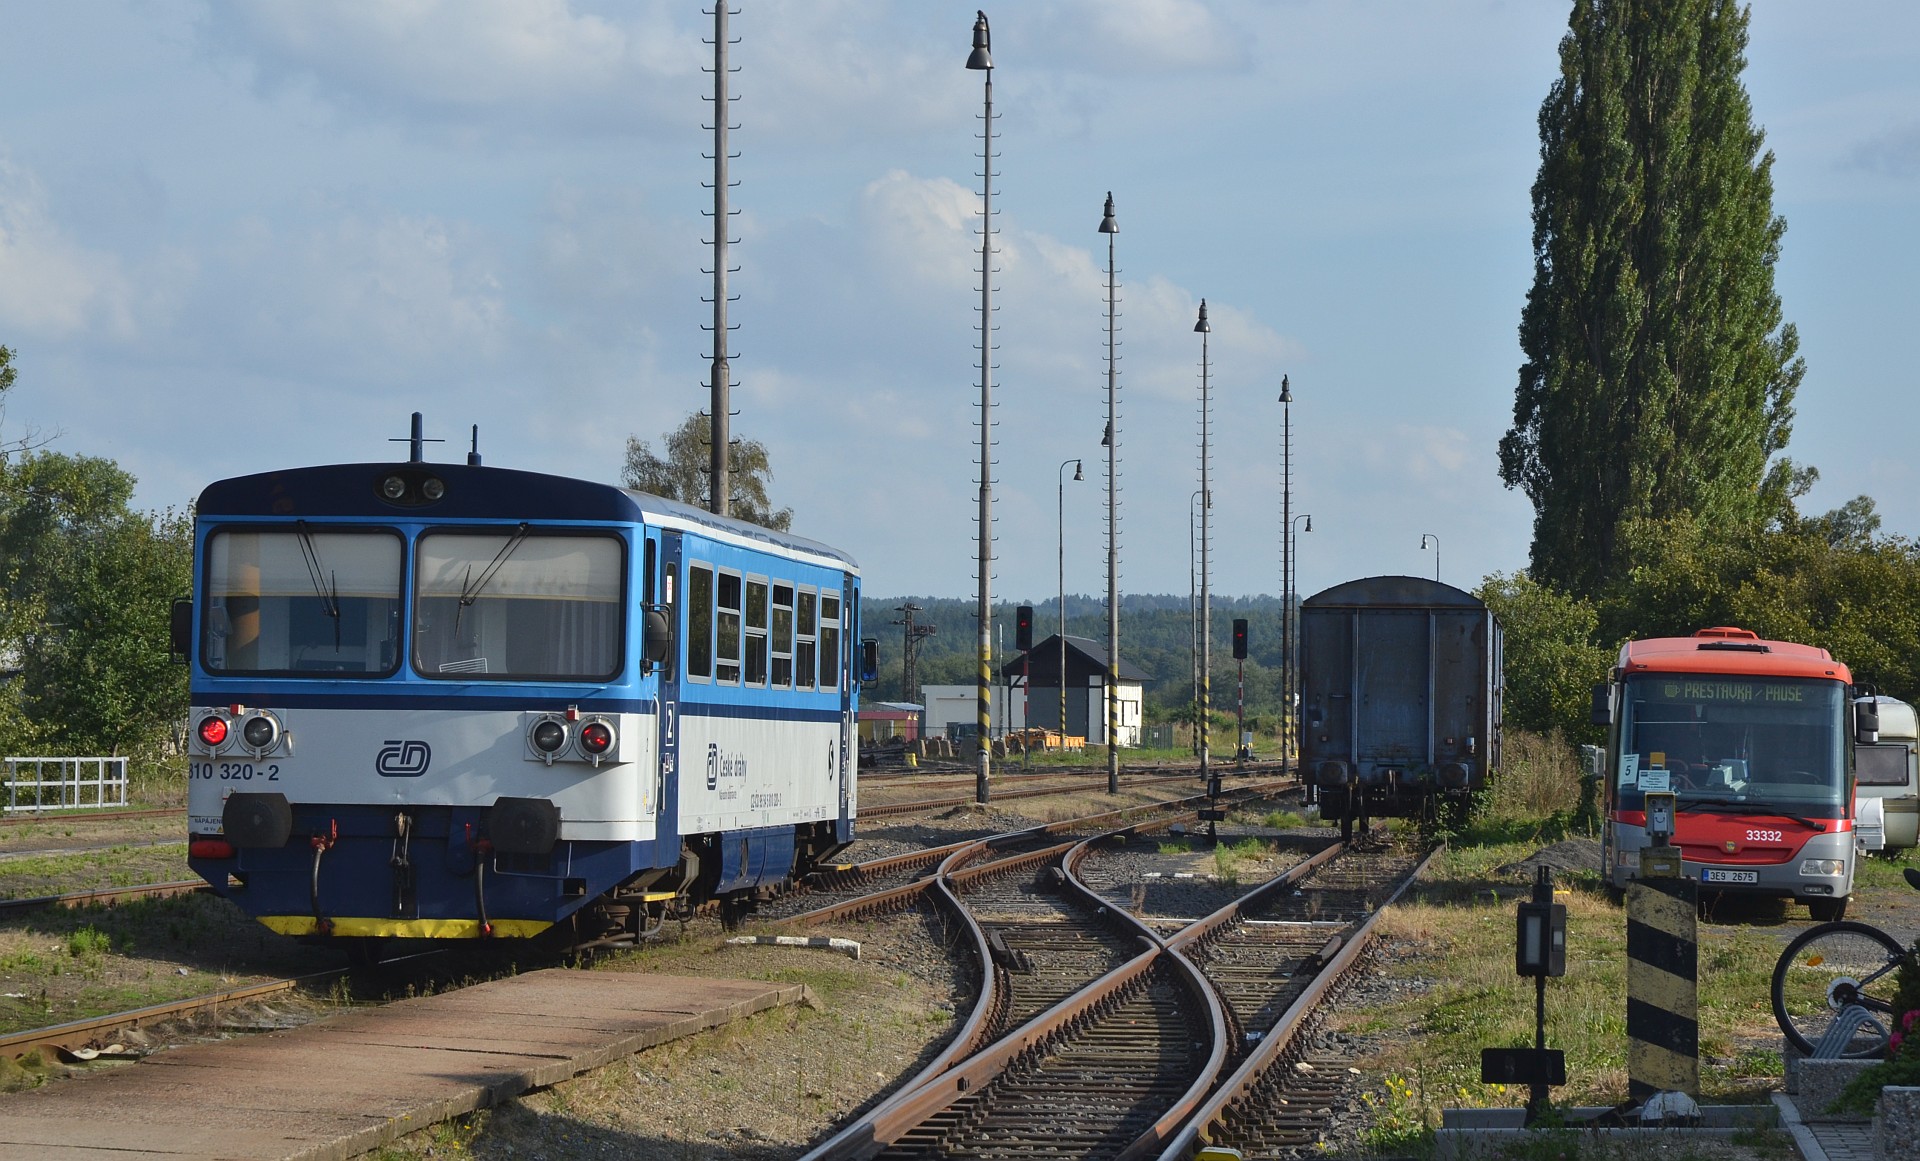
(213, 729)
(596, 738)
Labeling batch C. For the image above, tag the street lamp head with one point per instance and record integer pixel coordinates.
(982, 57)
(1426, 537)
(1309, 523)
(1286, 391)
(1076, 471)
(1107, 223)
(1201, 327)
(1107, 439)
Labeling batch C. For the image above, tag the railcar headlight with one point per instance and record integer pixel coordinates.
(213, 731)
(393, 487)
(433, 489)
(1823, 866)
(548, 737)
(261, 733)
(596, 739)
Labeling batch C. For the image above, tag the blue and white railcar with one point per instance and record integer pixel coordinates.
(453, 701)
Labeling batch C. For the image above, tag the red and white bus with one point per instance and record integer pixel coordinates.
(1754, 739)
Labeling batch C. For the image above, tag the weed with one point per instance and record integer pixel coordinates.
(89, 944)
(1283, 820)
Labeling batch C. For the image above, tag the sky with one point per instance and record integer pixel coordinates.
(239, 235)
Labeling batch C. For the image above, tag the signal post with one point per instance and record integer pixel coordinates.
(1663, 964)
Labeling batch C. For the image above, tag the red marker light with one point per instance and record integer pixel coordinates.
(210, 848)
(596, 737)
(213, 729)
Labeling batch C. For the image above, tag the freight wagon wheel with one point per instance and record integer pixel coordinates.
(1835, 971)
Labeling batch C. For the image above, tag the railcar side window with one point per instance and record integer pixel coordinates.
(516, 604)
(756, 632)
(829, 640)
(727, 622)
(803, 648)
(783, 636)
(700, 623)
(302, 601)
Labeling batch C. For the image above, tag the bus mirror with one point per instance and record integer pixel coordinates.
(1866, 722)
(659, 637)
(870, 662)
(180, 629)
(1602, 704)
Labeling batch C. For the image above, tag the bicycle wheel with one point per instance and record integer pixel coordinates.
(1828, 968)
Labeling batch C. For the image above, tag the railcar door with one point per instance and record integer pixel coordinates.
(667, 784)
(849, 700)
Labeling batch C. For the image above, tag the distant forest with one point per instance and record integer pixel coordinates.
(1156, 634)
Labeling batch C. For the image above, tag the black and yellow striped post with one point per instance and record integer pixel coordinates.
(1663, 964)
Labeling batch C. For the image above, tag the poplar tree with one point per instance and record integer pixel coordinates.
(1659, 377)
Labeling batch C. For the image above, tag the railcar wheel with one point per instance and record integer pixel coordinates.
(1828, 969)
(364, 953)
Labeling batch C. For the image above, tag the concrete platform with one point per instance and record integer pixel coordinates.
(343, 1086)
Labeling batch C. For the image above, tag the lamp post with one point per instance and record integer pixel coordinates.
(1193, 608)
(1286, 551)
(1109, 226)
(1060, 478)
(1206, 601)
(1289, 634)
(981, 59)
(1424, 537)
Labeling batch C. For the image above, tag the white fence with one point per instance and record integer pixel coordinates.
(37, 784)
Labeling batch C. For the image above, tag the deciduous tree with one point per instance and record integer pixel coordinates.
(679, 472)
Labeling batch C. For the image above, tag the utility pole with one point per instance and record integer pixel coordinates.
(910, 649)
(719, 483)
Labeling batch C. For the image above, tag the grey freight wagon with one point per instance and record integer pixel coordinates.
(1400, 691)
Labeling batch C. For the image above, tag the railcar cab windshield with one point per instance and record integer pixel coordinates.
(512, 603)
(1734, 742)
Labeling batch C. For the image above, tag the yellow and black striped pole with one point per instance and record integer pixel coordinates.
(1663, 967)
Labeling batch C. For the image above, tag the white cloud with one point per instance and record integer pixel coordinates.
(521, 59)
(1136, 36)
(1423, 454)
(49, 284)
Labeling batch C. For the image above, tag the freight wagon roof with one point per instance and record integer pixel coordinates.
(1391, 592)
(1729, 652)
(482, 493)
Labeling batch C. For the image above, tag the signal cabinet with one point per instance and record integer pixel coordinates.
(1400, 687)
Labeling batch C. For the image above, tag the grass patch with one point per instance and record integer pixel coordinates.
(1453, 937)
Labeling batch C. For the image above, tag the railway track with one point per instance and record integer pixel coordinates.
(1161, 1050)
(13, 820)
(876, 887)
(104, 896)
(922, 806)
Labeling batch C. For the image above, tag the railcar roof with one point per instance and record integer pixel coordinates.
(481, 493)
(1376, 592)
(1730, 652)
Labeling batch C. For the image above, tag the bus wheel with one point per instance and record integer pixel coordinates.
(1827, 910)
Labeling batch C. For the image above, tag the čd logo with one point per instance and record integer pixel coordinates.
(403, 759)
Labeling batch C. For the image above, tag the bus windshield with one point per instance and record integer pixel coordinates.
(1739, 741)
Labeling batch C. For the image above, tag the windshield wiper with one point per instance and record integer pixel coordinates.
(325, 586)
(470, 588)
(1736, 807)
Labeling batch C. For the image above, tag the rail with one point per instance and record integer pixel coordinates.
(71, 787)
